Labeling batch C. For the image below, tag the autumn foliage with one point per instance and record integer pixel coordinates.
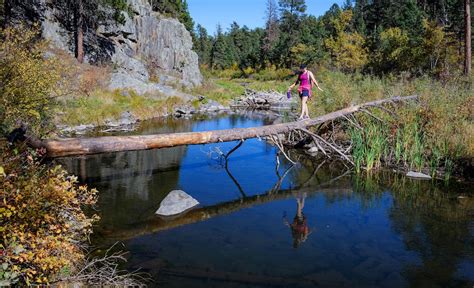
(30, 80)
(42, 221)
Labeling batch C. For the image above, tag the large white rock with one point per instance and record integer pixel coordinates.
(418, 175)
(176, 202)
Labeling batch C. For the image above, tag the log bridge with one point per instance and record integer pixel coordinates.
(107, 144)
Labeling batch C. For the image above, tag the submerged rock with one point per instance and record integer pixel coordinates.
(418, 175)
(176, 202)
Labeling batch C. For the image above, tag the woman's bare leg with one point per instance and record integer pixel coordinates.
(304, 106)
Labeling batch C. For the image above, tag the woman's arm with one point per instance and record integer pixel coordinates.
(294, 84)
(314, 80)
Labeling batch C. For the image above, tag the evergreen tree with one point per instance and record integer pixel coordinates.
(358, 21)
(291, 12)
(221, 54)
(203, 45)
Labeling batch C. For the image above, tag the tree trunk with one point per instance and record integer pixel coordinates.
(6, 13)
(467, 44)
(80, 31)
(84, 146)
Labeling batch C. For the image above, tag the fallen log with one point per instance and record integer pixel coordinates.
(84, 146)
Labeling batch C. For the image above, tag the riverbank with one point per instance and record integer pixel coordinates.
(433, 135)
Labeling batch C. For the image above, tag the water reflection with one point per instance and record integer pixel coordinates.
(384, 231)
(299, 226)
(132, 182)
(435, 221)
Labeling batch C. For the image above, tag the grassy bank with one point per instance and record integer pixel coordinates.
(433, 135)
(102, 105)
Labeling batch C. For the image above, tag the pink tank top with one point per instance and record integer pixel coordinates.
(304, 79)
(305, 83)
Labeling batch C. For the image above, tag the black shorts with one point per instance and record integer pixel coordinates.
(304, 93)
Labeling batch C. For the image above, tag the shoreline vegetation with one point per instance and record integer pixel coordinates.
(356, 57)
(434, 135)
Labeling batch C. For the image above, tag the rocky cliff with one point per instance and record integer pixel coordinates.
(146, 45)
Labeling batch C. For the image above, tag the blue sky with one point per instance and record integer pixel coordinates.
(209, 13)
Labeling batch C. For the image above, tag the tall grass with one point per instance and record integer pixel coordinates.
(431, 135)
(369, 146)
(102, 105)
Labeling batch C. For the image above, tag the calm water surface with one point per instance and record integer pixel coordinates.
(266, 225)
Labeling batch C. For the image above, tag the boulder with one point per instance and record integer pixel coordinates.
(418, 175)
(176, 202)
(313, 150)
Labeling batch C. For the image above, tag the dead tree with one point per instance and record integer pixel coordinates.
(83, 146)
(80, 31)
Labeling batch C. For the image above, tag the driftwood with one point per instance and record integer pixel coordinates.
(263, 100)
(84, 146)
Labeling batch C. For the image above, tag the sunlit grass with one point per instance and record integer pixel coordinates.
(102, 105)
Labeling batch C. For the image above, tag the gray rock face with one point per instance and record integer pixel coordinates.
(149, 43)
(146, 43)
(176, 202)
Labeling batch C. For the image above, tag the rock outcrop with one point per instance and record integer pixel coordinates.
(145, 46)
(148, 43)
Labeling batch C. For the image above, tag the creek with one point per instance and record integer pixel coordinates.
(264, 224)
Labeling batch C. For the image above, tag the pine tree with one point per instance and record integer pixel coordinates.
(291, 12)
(221, 55)
(203, 45)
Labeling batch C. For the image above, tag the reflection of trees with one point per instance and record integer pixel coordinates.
(156, 224)
(433, 222)
(132, 183)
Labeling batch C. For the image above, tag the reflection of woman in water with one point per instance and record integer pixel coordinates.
(299, 227)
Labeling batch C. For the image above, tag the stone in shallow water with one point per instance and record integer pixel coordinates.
(418, 175)
(176, 202)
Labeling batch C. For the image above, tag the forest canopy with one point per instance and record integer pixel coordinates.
(380, 36)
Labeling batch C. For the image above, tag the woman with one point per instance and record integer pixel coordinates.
(307, 81)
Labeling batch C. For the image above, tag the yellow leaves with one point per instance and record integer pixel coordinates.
(342, 22)
(36, 236)
(28, 80)
(348, 50)
(393, 42)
